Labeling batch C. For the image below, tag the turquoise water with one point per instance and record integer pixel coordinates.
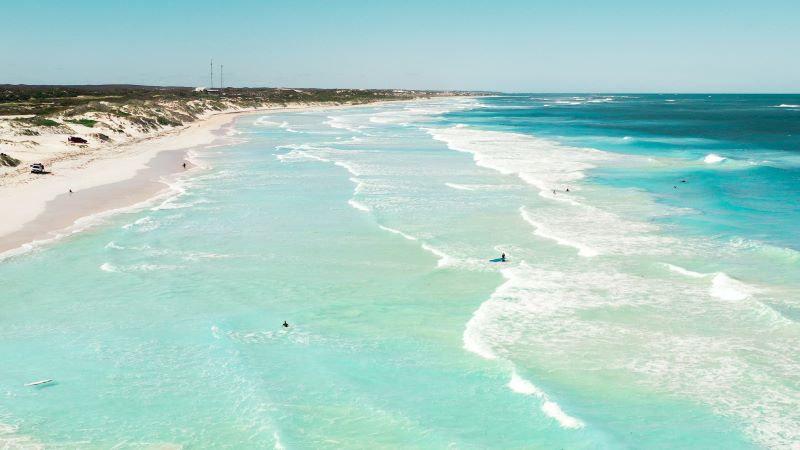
(630, 314)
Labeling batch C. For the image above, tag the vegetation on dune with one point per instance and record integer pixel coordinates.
(85, 122)
(77, 100)
(49, 109)
(8, 161)
(38, 121)
(166, 122)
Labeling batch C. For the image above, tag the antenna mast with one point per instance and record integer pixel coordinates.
(221, 84)
(212, 74)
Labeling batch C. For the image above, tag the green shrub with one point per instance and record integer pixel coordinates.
(39, 121)
(7, 160)
(166, 122)
(85, 122)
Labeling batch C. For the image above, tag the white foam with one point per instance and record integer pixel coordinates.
(358, 205)
(552, 409)
(522, 386)
(143, 224)
(685, 272)
(10, 439)
(445, 260)
(360, 185)
(398, 232)
(422, 111)
(727, 288)
(278, 443)
(344, 123)
(111, 268)
(108, 267)
(785, 105)
(296, 154)
(460, 187)
(543, 163)
(285, 125)
(265, 122)
(549, 408)
(349, 167)
(542, 231)
(713, 158)
(114, 245)
(80, 225)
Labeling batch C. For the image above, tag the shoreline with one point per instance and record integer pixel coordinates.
(133, 173)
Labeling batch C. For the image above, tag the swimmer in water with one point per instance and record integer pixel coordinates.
(285, 324)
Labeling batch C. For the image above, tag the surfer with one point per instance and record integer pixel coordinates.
(285, 324)
(503, 257)
(184, 165)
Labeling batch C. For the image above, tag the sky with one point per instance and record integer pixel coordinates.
(509, 46)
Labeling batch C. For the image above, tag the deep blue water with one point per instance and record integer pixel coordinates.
(753, 193)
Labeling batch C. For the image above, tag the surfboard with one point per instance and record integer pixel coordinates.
(37, 383)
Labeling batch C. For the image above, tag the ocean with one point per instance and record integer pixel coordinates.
(649, 298)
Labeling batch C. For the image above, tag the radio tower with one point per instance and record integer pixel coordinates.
(212, 74)
(221, 84)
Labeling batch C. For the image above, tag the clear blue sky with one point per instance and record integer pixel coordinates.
(532, 46)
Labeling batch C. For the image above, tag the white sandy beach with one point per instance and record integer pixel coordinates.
(101, 179)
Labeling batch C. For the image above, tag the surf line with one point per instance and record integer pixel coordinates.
(474, 342)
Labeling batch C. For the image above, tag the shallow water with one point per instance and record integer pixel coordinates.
(635, 311)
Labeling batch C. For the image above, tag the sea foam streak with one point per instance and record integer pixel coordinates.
(541, 231)
(549, 407)
(727, 288)
(713, 158)
(481, 329)
(459, 187)
(552, 168)
(358, 205)
(398, 232)
(685, 272)
(445, 260)
(539, 162)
